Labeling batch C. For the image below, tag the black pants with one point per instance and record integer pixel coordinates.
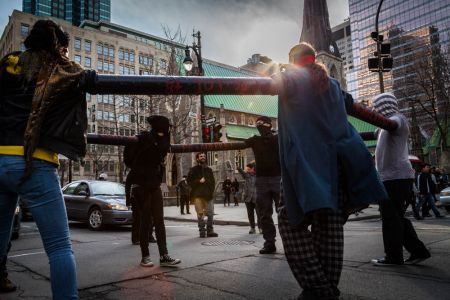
(136, 225)
(150, 205)
(267, 193)
(226, 199)
(184, 200)
(251, 210)
(398, 231)
(411, 200)
(3, 271)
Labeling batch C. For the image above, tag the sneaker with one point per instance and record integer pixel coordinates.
(135, 243)
(166, 260)
(212, 234)
(146, 261)
(6, 286)
(268, 250)
(252, 231)
(182, 213)
(415, 259)
(385, 262)
(202, 234)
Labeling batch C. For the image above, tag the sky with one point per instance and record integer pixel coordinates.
(232, 30)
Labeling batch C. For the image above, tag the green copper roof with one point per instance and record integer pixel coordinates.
(257, 104)
(362, 126)
(240, 132)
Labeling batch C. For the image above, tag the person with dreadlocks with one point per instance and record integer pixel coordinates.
(327, 173)
(42, 114)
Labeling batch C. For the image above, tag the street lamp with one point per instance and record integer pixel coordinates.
(188, 65)
(382, 62)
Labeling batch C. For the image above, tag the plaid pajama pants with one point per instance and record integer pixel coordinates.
(315, 255)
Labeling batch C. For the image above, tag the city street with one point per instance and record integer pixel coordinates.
(228, 267)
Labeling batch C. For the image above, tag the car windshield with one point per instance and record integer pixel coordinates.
(107, 189)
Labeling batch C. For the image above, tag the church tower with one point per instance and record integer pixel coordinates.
(317, 32)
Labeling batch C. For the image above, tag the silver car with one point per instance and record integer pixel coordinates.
(445, 198)
(97, 202)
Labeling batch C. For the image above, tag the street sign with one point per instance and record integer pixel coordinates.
(192, 115)
(210, 121)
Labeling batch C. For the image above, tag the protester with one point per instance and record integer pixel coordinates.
(427, 188)
(184, 190)
(146, 159)
(235, 192)
(249, 194)
(397, 175)
(202, 183)
(265, 148)
(226, 188)
(50, 119)
(327, 173)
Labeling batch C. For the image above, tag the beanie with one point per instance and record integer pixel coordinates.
(385, 104)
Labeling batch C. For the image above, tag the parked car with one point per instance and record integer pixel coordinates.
(16, 224)
(97, 202)
(445, 199)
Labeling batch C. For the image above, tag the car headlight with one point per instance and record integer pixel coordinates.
(445, 193)
(117, 206)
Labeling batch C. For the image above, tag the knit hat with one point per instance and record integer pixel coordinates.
(159, 122)
(385, 104)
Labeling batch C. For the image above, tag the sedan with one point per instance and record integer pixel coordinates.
(97, 202)
(445, 198)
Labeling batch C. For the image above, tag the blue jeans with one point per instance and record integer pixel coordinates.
(42, 195)
(429, 198)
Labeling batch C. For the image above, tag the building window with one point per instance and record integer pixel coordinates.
(24, 29)
(87, 46)
(22, 47)
(77, 59)
(121, 53)
(162, 63)
(99, 49)
(77, 44)
(111, 67)
(111, 51)
(132, 56)
(100, 65)
(87, 62)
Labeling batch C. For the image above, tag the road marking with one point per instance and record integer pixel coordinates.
(26, 254)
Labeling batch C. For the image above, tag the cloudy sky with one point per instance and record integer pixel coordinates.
(232, 30)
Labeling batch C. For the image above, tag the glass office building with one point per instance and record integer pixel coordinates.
(408, 24)
(419, 31)
(74, 11)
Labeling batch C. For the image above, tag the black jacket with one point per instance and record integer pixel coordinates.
(146, 159)
(426, 184)
(64, 128)
(267, 155)
(201, 190)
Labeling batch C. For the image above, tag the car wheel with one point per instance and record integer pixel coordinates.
(95, 220)
(447, 208)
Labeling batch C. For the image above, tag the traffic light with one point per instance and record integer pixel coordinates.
(384, 56)
(206, 138)
(217, 134)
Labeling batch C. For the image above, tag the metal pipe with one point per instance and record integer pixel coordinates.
(380, 67)
(197, 85)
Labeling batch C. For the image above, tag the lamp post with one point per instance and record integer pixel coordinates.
(382, 62)
(188, 65)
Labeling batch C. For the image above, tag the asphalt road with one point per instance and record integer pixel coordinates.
(227, 267)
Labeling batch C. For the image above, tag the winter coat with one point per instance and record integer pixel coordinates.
(201, 190)
(315, 136)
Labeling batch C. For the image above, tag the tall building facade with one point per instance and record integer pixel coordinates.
(316, 30)
(73, 11)
(419, 33)
(342, 36)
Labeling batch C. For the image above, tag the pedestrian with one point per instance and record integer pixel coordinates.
(103, 177)
(43, 113)
(249, 195)
(235, 192)
(397, 175)
(427, 187)
(327, 173)
(268, 176)
(226, 188)
(146, 159)
(202, 183)
(184, 191)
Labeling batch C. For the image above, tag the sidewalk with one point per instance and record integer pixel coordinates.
(237, 215)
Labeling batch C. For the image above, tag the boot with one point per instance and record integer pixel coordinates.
(6, 286)
(212, 234)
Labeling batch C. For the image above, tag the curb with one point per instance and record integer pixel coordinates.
(245, 223)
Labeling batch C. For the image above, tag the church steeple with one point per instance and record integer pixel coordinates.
(316, 28)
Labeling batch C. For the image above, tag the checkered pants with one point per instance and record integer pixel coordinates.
(315, 255)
